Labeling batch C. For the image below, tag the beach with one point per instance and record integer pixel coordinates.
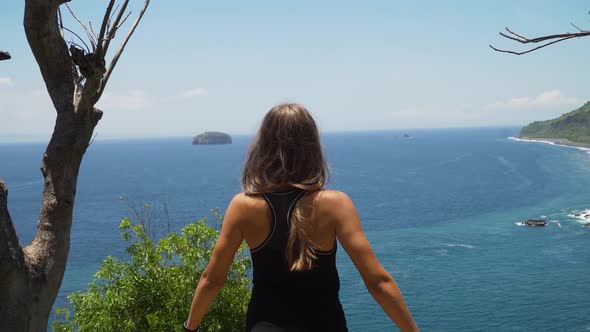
(554, 141)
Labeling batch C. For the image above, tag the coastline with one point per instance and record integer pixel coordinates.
(555, 141)
(558, 141)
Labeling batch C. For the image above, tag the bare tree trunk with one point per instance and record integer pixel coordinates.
(30, 278)
(15, 293)
(47, 254)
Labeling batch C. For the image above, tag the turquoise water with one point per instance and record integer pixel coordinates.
(440, 210)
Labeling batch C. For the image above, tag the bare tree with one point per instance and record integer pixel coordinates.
(4, 55)
(75, 78)
(544, 40)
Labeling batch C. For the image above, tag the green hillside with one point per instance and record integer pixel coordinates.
(573, 126)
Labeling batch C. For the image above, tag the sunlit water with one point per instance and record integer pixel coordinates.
(440, 210)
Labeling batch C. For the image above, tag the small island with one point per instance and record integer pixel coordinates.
(571, 128)
(211, 138)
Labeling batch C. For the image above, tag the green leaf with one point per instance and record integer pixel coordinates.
(152, 289)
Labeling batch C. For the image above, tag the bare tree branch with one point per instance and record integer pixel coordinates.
(579, 29)
(99, 53)
(82, 40)
(91, 63)
(60, 23)
(551, 39)
(523, 40)
(111, 67)
(92, 29)
(116, 10)
(532, 49)
(92, 42)
(519, 37)
(14, 296)
(11, 253)
(50, 51)
(125, 19)
(115, 25)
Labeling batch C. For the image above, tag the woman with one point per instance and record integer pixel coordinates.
(291, 225)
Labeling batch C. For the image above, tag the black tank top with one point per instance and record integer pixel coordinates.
(294, 301)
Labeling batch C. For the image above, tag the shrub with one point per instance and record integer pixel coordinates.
(153, 290)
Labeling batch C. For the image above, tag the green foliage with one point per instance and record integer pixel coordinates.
(153, 290)
(573, 126)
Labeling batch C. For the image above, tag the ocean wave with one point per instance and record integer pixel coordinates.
(587, 150)
(582, 216)
(459, 245)
(511, 168)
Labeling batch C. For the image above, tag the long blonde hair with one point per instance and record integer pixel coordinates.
(287, 153)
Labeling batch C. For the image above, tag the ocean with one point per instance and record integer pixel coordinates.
(441, 210)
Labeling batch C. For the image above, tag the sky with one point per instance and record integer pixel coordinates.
(194, 66)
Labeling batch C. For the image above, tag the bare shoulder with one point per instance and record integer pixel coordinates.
(334, 204)
(335, 194)
(332, 197)
(243, 199)
(246, 202)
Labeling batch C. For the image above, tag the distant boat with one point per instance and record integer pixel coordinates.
(406, 136)
(535, 222)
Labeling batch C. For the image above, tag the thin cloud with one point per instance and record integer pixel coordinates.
(134, 100)
(196, 92)
(5, 81)
(549, 98)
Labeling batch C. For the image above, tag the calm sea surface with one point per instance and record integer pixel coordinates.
(440, 210)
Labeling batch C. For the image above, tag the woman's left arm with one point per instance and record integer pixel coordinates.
(215, 273)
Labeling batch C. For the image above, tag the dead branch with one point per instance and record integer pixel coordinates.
(579, 29)
(80, 38)
(115, 26)
(524, 40)
(92, 29)
(103, 28)
(90, 38)
(93, 61)
(532, 49)
(549, 39)
(111, 67)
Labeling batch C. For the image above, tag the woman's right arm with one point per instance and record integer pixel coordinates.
(379, 282)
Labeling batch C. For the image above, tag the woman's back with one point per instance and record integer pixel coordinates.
(257, 224)
(292, 224)
(302, 300)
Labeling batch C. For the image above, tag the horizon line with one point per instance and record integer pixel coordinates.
(20, 140)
